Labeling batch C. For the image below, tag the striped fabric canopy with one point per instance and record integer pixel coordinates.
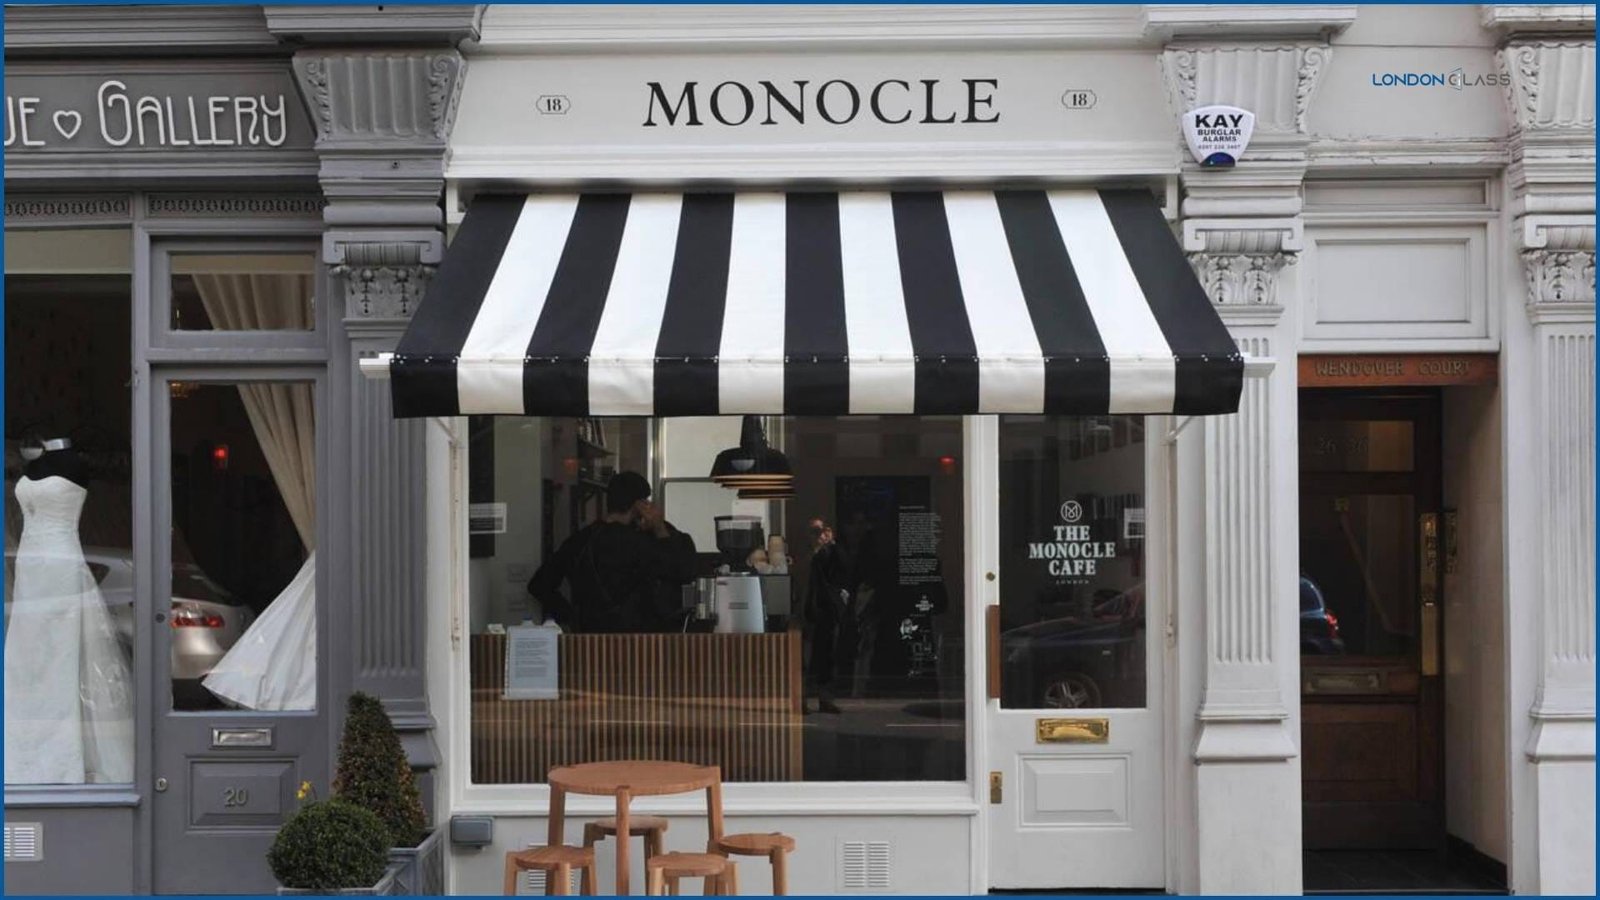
(920, 302)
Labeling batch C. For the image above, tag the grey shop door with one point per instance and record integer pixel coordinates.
(224, 778)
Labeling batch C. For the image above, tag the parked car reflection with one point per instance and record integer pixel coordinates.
(1076, 661)
(205, 619)
(1319, 627)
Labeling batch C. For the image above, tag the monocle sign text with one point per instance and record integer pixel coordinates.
(837, 101)
(143, 111)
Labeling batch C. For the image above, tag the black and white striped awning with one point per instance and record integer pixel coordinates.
(925, 302)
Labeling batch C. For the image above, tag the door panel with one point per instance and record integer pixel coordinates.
(1369, 620)
(238, 466)
(1074, 721)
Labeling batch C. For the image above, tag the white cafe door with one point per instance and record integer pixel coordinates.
(1074, 656)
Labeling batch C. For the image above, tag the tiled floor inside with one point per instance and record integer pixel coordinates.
(1397, 872)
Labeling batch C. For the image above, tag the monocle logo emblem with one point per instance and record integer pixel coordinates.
(1071, 511)
(1217, 135)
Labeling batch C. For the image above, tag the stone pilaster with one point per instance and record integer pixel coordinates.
(1243, 231)
(383, 113)
(1548, 54)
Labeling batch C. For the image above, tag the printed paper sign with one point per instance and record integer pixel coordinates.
(532, 657)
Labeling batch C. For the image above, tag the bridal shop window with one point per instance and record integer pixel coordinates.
(69, 565)
(252, 291)
(243, 600)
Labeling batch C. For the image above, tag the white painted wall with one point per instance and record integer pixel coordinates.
(1476, 798)
(1399, 39)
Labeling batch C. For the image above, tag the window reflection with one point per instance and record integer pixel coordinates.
(1072, 520)
(812, 633)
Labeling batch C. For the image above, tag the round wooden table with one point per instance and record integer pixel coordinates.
(626, 779)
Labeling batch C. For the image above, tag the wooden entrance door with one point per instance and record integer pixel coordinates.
(1370, 629)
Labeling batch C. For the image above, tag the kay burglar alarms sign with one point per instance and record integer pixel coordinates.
(1217, 135)
(138, 107)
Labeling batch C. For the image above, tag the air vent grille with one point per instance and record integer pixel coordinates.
(24, 841)
(864, 866)
(531, 884)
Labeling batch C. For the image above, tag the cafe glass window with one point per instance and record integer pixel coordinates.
(69, 565)
(830, 650)
(1072, 562)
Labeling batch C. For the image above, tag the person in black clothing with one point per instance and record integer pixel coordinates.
(828, 609)
(625, 571)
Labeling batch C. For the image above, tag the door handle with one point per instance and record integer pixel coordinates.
(996, 787)
(992, 640)
(1428, 620)
(161, 785)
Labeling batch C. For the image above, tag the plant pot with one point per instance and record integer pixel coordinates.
(419, 870)
(384, 888)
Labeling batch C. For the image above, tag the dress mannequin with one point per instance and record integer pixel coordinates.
(68, 685)
(59, 457)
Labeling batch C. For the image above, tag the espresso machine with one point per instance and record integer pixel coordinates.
(737, 591)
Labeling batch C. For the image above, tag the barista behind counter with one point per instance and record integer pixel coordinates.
(625, 571)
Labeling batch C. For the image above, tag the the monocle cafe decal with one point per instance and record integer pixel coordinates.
(109, 111)
(1071, 551)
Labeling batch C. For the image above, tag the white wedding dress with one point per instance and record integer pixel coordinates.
(273, 665)
(69, 688)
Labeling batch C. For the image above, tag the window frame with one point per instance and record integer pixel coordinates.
(168, 344)
(962, 798)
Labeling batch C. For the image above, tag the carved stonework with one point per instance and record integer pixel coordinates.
(75, 208)
(383, 279)
(377, 98)
(1559, 276)
(1241, 279)
(232, 205)
(1550, 84)
(1275, 81)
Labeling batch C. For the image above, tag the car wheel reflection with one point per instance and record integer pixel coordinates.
(1072, 690)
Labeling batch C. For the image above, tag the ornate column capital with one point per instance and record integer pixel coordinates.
(381, 99)
(1550, 86)
(1276, 80)
(385, 274)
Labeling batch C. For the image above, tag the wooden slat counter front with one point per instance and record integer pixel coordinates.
(732, 700)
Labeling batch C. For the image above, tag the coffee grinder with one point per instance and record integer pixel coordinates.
(738, 588)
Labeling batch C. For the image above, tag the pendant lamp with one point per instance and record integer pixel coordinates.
(766, 493)
(752, 464)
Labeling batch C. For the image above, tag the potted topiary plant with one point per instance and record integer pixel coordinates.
(373, 773)
(332, 847)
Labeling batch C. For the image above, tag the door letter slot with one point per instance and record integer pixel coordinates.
(1072, 731)
(225, 738)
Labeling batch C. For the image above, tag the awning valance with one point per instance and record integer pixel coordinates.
(924, 302)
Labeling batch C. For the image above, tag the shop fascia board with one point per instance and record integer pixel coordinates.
(391, 24)
(56, 30)
(177, 169)
(1172, 22)
(1074, 162)
(510, 28)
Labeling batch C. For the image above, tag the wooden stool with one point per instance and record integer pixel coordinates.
(661, 873)
(556, 863)
(652, 828)
(774, 846)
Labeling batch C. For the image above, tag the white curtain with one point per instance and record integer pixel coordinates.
(273, 666)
